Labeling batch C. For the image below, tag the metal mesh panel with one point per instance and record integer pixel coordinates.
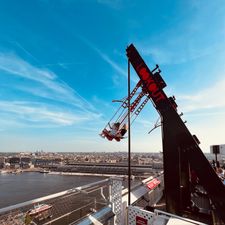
(116, 195)
(135, 213)
(14, 218)
(73, 205)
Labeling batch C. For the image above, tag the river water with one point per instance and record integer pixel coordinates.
(17, 188)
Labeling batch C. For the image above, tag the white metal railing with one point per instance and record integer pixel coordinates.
(118, 199)
(48, 197)
(98, 218)
(138, 216)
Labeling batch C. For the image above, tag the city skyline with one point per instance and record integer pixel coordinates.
(63, 62)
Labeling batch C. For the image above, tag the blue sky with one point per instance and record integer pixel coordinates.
(63, 62)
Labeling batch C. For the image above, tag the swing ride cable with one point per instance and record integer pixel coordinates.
(132, 107)
(139, 109)
(124, 104)
(113, 116)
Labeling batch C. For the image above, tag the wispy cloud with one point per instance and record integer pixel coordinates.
(205, 114)
(52, 87)
(12, 64)
(108, 60)
(209, 98)
(19, 45)
(185, 39)
(168, 54)
(39, 113)
(64, 65)
(105, 57)
(57, 102)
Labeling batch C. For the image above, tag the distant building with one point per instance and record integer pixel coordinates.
(157, 165)
(2, 162)
(14, 162)
(44, 162)
(25, 162)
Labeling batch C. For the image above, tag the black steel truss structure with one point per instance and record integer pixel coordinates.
(181, 150)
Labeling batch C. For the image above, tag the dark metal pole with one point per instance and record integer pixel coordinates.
(129, 154)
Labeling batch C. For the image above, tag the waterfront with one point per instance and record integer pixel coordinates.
(16, 188)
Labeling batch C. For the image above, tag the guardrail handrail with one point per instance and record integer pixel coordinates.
(48, 197)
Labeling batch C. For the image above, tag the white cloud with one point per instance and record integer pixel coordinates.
(192, 35)
(108, 60)
(11, 63)
(19, 45)
(57, 103)
(170, 53)
(209, 128)
(209, 98)
(51, 85)
(204, 112)
(34, 112)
